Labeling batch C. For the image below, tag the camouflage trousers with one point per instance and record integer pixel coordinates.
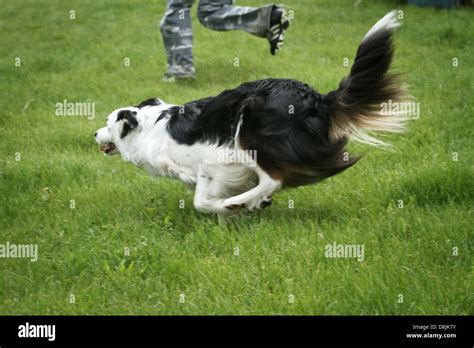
(218, 15)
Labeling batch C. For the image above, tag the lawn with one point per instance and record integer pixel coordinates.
(113, 240)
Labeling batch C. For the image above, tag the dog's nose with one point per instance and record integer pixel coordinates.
(95, 135)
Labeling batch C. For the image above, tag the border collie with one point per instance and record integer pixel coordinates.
(240, 147)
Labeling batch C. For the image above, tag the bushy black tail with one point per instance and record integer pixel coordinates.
(356, 106)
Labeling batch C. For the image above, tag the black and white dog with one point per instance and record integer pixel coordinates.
(238, 148)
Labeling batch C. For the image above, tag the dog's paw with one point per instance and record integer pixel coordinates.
(259, 203)
(255, 204)
(266, 202)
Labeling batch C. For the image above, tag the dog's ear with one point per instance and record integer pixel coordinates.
(128, 117)
(129, 121)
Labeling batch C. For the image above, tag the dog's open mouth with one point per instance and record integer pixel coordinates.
(107, 148)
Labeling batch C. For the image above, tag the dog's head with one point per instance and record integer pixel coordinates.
(120, 124)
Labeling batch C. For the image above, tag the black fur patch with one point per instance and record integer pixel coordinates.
(130, 121)
(284, 120)
(149, 102)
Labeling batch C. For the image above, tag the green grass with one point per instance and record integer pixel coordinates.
(175, 251)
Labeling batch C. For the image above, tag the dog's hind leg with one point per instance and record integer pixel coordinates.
(258, 197)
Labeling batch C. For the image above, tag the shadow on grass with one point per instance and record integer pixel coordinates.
(283, 216)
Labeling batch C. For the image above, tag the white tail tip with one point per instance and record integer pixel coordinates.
(388, 22)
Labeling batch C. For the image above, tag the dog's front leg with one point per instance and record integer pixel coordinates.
(206, 184)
